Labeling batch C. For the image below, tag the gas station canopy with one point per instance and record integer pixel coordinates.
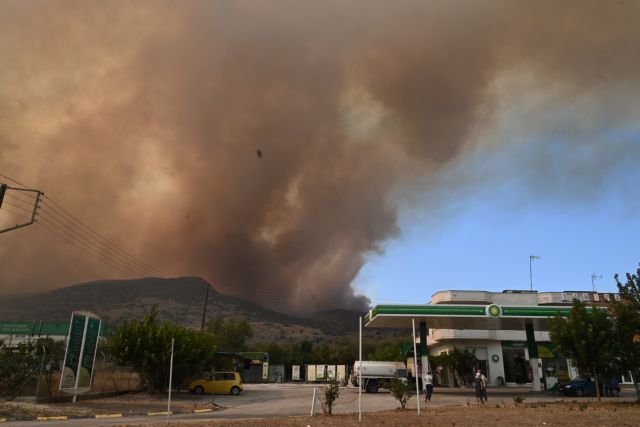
(465, 316)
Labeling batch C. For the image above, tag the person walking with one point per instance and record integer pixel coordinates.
(428, 386)
(481, 387)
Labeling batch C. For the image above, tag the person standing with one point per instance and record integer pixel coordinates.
(481, 387)
(428, 386)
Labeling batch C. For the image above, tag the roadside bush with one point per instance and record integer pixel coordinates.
(401, 391)
(145, 345)
(518, 399)
(20, 365)
(331, 394)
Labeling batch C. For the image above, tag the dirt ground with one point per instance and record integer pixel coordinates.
(535, 414)
(504, 413)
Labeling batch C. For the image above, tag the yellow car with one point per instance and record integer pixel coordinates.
(218, 383)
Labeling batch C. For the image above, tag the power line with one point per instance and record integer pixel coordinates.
(83, 231)
(13, 213)
(18, 206)
(13, 180)
(13, 196)
(90, 243)
(94, 251)
(53, 228)
(73, 231)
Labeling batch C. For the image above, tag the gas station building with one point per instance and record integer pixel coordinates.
(507, 331)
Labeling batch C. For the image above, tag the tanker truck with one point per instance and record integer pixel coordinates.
(377, 374)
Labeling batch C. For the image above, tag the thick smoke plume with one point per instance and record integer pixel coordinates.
(257, 143)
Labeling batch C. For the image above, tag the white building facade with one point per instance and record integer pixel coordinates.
(503, 354)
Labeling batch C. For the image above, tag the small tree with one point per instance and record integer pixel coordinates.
(628, 326)
(231, 334)
(630, 290)
(401, 391)
(437, 361)
(587, 338)
(18, 366)
(388, 349)
(331, 394)
(461, 361)
(626, 350)
(146, 346)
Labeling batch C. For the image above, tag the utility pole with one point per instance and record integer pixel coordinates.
(36, 204)
(594, 276)
(531, 258)
(204, 309)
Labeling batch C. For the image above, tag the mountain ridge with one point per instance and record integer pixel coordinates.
(178, 299)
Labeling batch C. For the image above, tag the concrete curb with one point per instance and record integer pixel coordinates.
(103, 416)
(108, 415)
(160, 413)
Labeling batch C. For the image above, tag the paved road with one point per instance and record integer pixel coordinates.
(281, 400)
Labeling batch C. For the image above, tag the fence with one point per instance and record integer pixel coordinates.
(107, 378)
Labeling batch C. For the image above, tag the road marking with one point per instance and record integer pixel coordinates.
(108, 415)
(160, 413)
(61, 417)
(2, 420)
(197, 411)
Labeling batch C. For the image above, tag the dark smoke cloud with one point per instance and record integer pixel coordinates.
(145, 118)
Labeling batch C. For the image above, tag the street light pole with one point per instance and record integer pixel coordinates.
(594, 276)
(531, 258)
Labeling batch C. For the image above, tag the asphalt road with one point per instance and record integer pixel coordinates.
(282, 400)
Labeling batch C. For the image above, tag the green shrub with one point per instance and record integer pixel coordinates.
(401, 390)
(331, 394)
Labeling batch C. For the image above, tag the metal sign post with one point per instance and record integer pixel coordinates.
(313, 402)
(79, 358)
(170, 382)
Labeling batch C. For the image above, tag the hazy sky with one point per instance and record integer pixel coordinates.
(311, 155)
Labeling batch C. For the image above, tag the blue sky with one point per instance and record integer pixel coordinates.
(577, 209)
(488, 248)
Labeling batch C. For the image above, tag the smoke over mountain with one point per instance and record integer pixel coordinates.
(257, 144)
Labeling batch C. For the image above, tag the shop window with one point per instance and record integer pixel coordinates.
(515, 365)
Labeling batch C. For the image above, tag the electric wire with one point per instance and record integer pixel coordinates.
(78, 244)
(55, 207)
(14, 181)
(77, 235)
(17, 206)
(15, 214)
(15, 197)
(75, 232)
(102, 239)
(84, 247)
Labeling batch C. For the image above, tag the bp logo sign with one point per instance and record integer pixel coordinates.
(493, 310)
